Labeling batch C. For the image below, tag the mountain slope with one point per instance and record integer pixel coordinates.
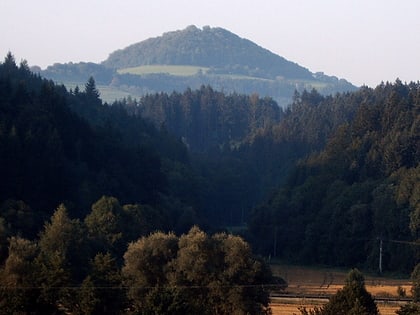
(57, 146)
(209, 47)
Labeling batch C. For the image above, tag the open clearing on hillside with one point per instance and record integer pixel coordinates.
(164, 69)
(107, 93)
(305, 281)
(184, 71)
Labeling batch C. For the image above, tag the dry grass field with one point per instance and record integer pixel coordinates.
(322, 281)
(293, 309)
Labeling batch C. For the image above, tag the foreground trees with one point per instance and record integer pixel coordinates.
(195, 274)
(76, 267)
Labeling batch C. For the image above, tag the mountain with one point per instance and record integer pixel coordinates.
(193, 57)
(214, 48)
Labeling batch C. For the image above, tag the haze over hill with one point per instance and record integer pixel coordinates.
(193, 57)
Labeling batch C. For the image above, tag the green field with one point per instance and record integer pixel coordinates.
(177, 70)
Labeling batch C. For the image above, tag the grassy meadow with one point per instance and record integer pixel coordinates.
(177, 70)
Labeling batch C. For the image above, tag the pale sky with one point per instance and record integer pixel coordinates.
(362, 41)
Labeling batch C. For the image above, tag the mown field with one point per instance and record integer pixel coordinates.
(183, 71)
(304, 281)
(177, 70)
(293, 309)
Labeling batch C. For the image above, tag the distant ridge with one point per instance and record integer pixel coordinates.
(209, 47)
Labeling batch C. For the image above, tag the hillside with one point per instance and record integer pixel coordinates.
(193, 57)
(362, 190)
(215, 48)
(57, 146)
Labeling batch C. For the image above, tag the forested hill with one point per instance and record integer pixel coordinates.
(58, 147)
(362, 188)
(193, 57)
(208, 47)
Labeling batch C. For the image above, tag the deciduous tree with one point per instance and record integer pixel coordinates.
(62, 259)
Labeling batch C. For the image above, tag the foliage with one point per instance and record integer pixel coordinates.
(62, 258)
(78, 72)
(58, 146)
(101, 291)
(104, 224)
(19, 291)
(206, 118)
(347, 167)
(363, 183)
(75, 266)
(195, 273)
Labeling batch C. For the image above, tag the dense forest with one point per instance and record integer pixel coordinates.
(361, 189)
(359, 169)
(337, 172)
(86, 185)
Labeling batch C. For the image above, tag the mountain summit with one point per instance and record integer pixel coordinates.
(208, 47)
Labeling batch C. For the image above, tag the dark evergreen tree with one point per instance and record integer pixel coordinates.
(92, 93)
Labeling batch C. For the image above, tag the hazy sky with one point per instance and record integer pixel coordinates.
(363, 41)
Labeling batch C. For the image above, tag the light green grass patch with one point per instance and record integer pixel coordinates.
(177, 70)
